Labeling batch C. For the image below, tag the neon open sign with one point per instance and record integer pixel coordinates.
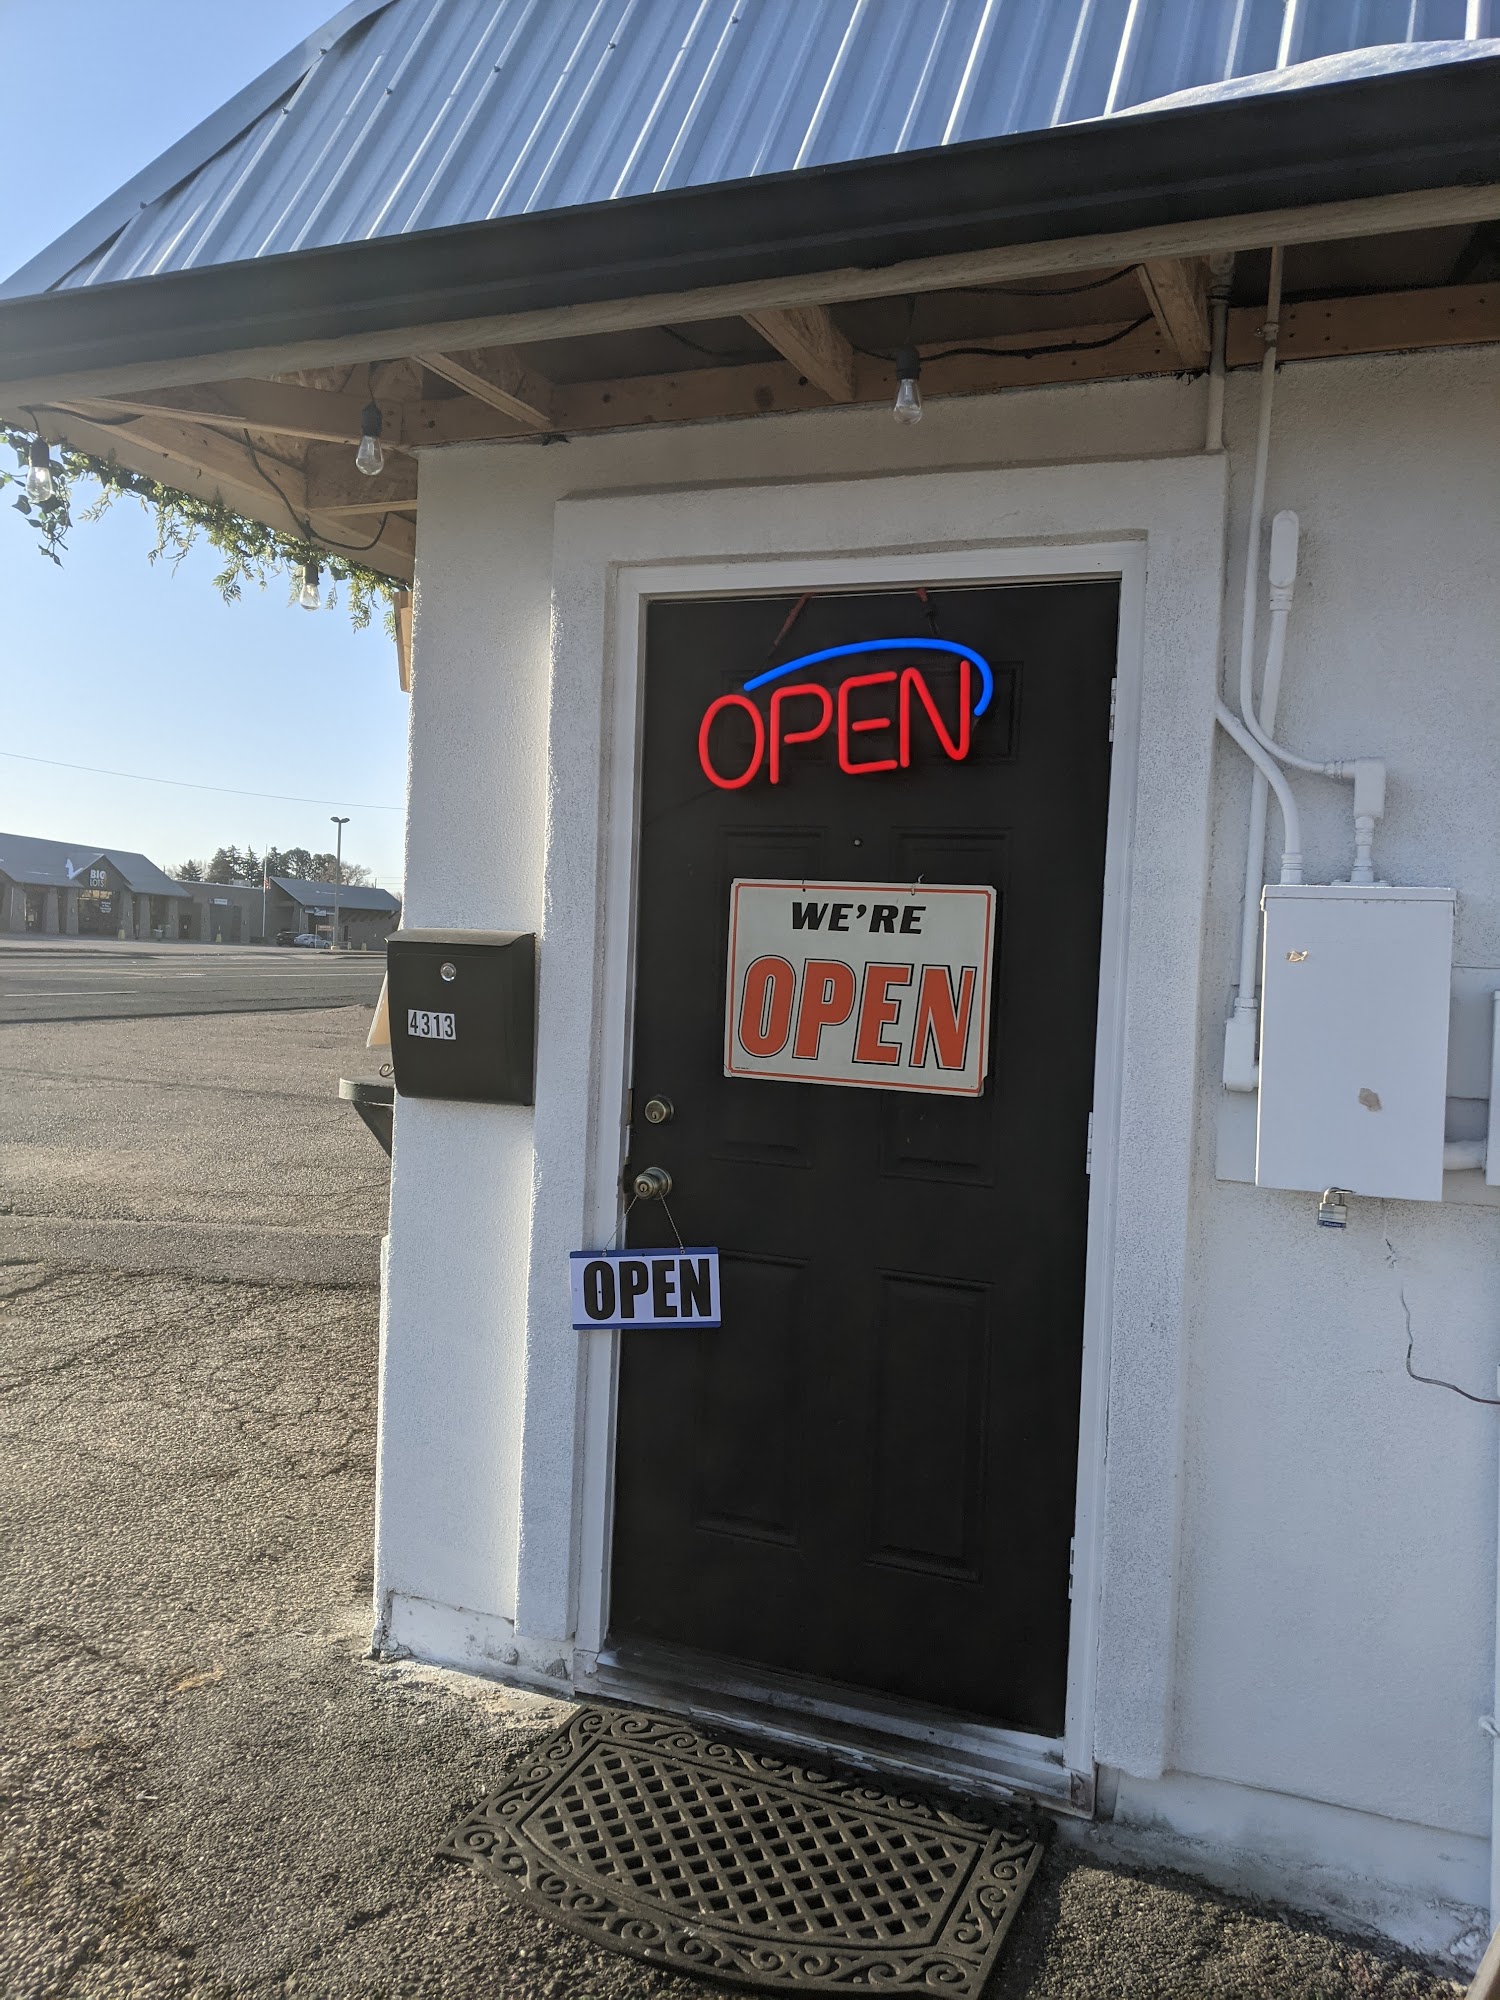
(806, 710)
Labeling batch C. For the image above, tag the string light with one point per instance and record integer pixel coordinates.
(308, 597)
(907, 408)
(370, 458)
(39, 484)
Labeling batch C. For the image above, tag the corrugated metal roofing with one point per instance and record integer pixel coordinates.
(319, 895)
(47, 864)
(407, 115)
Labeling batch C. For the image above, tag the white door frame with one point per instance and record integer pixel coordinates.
(1158, 527)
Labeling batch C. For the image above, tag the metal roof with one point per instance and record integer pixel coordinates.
(319, 895)
(403, 116)
(55, 864)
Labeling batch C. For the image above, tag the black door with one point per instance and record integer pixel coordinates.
(867, 1474)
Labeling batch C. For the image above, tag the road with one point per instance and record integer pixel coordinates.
(115, 982)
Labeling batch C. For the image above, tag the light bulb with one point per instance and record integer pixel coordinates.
(370, 458)
(907, 408)
(39, 483)
(308, 596)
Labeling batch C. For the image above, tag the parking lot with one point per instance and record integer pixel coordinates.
(70, 980)
(178, 1110)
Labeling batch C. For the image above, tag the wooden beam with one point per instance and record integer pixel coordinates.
(1176, 290)
(703, 395)
(500, 379)
(264, 471)
(278, 407)
(807, 337)
(335, 485)
(1379, 323)
(403, 609)
(1426, 208)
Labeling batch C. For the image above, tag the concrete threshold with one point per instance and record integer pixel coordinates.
(234, 1252)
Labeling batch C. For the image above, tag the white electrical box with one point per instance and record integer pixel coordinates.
(1355, 992)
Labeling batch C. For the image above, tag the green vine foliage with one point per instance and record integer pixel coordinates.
(250, 551)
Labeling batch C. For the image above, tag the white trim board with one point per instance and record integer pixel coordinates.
(1159, 526)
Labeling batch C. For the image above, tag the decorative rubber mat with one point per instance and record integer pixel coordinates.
(713, 1858)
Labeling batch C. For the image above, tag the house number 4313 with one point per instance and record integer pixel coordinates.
(429, 1027)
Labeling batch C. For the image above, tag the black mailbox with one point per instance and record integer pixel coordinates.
(463, 1014)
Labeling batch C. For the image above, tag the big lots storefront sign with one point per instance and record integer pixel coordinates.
(873, 716)
(880, 985)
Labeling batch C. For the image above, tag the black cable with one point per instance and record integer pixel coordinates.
(1050, 347)
(313, 539)
(1022, 353)
(1050, 291)
(1432, 1381)
(731, 357)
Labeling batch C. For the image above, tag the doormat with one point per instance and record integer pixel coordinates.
(710, 1857)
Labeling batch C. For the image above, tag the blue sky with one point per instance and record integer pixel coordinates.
(112, 662)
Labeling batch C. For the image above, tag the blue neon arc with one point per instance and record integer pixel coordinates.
(986, 678)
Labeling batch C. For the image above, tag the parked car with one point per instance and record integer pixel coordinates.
(312, 941)
(286, 937)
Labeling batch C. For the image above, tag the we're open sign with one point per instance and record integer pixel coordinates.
(885, 985)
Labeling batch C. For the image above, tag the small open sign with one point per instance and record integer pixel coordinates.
(644, 1288)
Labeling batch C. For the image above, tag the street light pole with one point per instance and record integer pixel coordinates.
(338, 871)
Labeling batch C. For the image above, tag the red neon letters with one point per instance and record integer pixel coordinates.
(807, 724)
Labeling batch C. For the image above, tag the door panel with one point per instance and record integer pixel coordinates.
(867, 1474)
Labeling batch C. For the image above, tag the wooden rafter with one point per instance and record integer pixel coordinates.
(280, 407)
(500, 379)
(1176, 290)
(807, 337)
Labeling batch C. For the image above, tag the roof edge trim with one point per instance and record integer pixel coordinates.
(1201, 173)
(194, 150)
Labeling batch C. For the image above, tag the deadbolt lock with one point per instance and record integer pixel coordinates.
(658, 1110)
(651, 1183)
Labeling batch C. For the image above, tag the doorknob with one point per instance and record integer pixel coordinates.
(650, 1183)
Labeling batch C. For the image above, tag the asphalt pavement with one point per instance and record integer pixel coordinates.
(80, 980)
(213, 1144)
(211, 1793)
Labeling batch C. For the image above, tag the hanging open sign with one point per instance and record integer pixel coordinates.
(621, 1289)
(874, 718)
(875, 984)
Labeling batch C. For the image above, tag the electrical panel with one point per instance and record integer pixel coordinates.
(1355, 995)
(463, 1014)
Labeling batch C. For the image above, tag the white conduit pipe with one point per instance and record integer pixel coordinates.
(1270, 774)
(1240, 1068)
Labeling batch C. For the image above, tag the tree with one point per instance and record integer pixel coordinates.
(224, 865)
(327, 868)
(189, 871)
(294, 862)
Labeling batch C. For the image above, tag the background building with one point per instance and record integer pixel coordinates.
(366, 916)
(72, 889)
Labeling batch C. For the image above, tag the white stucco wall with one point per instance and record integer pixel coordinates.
(1337, 1600)
(1332, 1635)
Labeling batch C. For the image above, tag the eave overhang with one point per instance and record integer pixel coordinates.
(1187, 177)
